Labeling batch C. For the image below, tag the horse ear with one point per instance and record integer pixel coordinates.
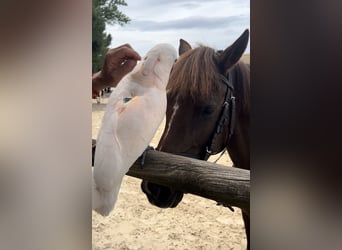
(184, 46)
(233, 53)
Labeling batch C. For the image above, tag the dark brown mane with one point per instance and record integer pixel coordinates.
(192, 72)
(196, 75)
(239, 75)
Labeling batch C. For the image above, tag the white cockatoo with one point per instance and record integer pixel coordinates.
(133, 114)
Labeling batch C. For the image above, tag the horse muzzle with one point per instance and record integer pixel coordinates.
(161, 196)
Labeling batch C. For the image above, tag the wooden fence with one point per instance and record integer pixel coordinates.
(226, 185)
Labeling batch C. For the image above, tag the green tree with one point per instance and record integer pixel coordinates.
(104, 12)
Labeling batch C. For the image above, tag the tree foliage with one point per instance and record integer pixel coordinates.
(104, 12)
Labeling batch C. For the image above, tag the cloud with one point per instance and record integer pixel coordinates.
(189, 5)
(192, 22)
(216, 23)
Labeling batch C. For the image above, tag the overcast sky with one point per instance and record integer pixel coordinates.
(215, 23)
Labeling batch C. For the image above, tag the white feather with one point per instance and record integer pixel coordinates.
(128, 127)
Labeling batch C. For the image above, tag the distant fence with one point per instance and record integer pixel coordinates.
(226, 185)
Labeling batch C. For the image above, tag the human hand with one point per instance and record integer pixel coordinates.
(118, 62)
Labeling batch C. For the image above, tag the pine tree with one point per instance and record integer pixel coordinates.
(104, 12)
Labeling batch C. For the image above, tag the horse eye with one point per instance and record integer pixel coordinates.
(208, 110)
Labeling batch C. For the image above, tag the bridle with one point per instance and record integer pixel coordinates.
(227, 116)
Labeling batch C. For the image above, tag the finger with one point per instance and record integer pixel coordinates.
(125, 45)
(125, 68)
(130, 54)
(95, 94)
(129, 66)
(124, 53)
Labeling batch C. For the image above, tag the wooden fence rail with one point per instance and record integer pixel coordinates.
(226, 185)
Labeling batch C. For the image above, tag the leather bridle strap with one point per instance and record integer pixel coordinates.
(227, 115)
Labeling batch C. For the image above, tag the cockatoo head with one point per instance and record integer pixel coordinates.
(156, 65)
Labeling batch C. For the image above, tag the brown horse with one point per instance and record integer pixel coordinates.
(208, 107)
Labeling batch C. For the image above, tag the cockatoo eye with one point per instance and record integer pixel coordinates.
(126, 99)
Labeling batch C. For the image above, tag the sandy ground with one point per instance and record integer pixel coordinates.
(196, 223)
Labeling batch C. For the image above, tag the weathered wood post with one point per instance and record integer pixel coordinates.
(227, 185)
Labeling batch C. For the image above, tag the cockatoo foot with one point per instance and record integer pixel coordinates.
(143, 156)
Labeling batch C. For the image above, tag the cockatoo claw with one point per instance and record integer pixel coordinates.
(143, 156)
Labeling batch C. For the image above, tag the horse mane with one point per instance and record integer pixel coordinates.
(239, 75)
(191, 74)
(196, 68)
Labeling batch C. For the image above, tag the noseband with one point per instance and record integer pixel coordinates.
(227, 116)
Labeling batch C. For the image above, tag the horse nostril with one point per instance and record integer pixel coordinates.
(144, 187)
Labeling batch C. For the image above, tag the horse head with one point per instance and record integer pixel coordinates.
(199, 83)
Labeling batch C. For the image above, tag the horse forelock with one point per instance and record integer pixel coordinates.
(195, 75)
